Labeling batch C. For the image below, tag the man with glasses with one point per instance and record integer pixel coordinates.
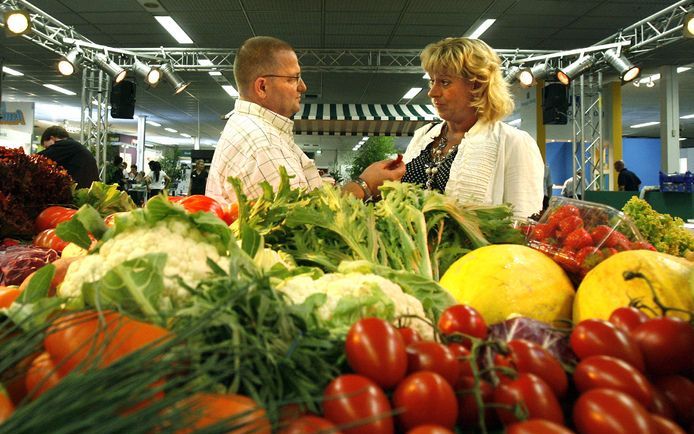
(258, 137)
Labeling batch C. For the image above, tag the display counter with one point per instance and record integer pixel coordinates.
(676, 204)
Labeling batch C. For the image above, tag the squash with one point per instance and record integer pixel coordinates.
(604, 289)
(506, 280)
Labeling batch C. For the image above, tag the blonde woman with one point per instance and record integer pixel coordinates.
(472, 155)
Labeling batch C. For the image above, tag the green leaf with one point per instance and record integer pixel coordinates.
(39, 285)
(105, 198)
(92, 221)
(73, 231)
(251, 241)
(135, 285)
(32, 316)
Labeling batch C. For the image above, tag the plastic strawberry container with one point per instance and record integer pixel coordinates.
(578, 235)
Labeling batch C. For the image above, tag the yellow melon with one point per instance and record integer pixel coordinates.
(604, 288)
(504, 280)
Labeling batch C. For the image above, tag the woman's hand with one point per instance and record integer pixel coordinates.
(380, 171)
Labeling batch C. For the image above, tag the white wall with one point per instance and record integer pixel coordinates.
(688, 153)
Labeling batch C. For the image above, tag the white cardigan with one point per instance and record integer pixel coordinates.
(495, 164)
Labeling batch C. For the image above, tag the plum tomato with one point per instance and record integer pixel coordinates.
(595, 337)
(534, 359)
(530, 392)
(607, 411)
(462, 319)
(425, 398)
(434, 357)
(667, 345)
(376, 350)
(357, 401)
(627, 318)
(609, 372)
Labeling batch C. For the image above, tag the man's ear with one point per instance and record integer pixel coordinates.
(259, 87)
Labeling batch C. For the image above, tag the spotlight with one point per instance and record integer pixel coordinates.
(173, 78)
(627, 71)
(575, 69)
(541, 71)
(70, 62)
(149, 74)
(526, 77)
(17, 22)
(516, 72)
(688, 29)
(110, 67)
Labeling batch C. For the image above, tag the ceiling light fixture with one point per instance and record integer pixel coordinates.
(412, 93)
(645, 124)
(154, 124)
(171, 130)
(174, 29)
(481, 28)
(526, 77)
(69, 64)
(688, 25)
(17, 22)
(59, 89)
(230, 90)
(520, 73)
(627, 71)
(215, 73)
(574, 70)
(114, 70)
(173, 78)
(11, 71)
(148, 73)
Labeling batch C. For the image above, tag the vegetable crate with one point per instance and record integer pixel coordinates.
(678, 182)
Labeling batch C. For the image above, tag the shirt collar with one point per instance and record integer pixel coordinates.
(280, 122)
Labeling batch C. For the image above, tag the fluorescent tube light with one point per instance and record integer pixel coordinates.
(484, 25)
(645, 124)
(154, 124)
(215, 73)
(171, 130)
(174, 29)
(412, 93)
(205, 62)
(230, 90)
(683, 69)
(186, 135)
(426, 76)
(59, 89)
(691, 116)
(11, 71)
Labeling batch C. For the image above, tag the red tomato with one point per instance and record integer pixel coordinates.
(534, 359)
(231, 212)
(667, 345)
(199, 202)
(611, 373)
(425, 398)
(607, 411)
(376, 350)
(80, 339)
(533, 394)
(661, 405)
(679, 391)
(176, 199)
(627, 318)
(468, 410)
(50, 217)
(212, 408)
(665, 426)
(462, 354)
(430, 429)
(462, 319)
(435, 357)
(8, 294)
(310, 425)
(41, 375)
(50, 240)
(409, 335)
(291, 412)
(6, 406)
(595, 337)
(537, 426)
(353, 399)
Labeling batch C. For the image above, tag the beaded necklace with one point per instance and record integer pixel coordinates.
(438, 157)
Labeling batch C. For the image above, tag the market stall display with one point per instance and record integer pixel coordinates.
(316, 310)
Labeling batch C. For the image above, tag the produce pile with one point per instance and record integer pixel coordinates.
(315, 312)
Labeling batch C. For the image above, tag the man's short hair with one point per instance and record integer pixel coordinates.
(55, 131)
(256, 57)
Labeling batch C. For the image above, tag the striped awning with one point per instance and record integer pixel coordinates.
(362, 119)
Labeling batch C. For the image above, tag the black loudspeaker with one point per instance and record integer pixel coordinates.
(555, 104)
(123, 100)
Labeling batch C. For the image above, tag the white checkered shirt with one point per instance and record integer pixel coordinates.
(254, 144)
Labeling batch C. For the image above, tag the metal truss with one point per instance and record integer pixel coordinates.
(94, 120)
(588, 149)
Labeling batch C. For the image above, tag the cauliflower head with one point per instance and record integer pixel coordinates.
(186, 248)
(350, 296)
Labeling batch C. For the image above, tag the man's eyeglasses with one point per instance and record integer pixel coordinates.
(295, 78)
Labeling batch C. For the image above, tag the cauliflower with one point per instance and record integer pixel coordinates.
(186, 248)
(350, 296)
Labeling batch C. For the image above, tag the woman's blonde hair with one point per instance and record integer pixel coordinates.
(475, 61)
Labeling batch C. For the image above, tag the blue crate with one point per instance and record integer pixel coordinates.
(677, 182)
